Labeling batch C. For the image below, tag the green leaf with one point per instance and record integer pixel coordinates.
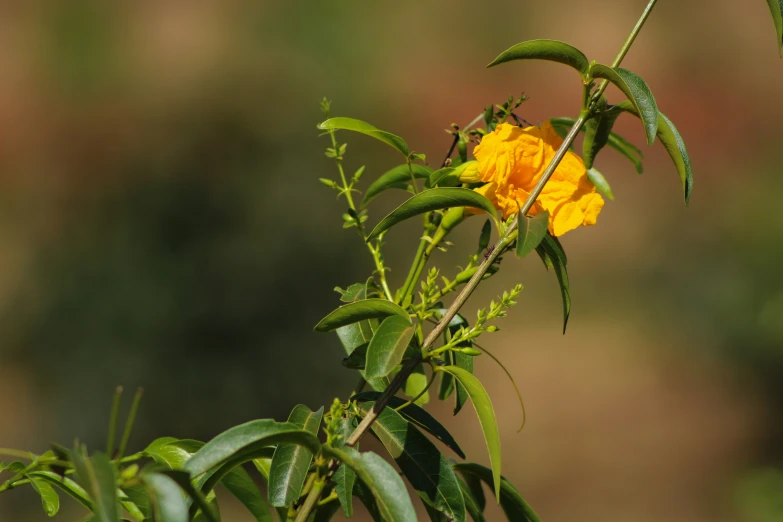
(416, 383)
(417, 416)
(476, 490)
(209, 510)
(386, 486)
(263, 466)
(64, 483)
(776, 9)
(359, 311)
(246, 442)
(426, 469)
(552, 254)
(601, 185)
(486, 235)
(434, 199)
(460, 360)
(138, 497)
(636, 90)
(344, 480)
(171, 452)
(388, 346)
(352, 124)
(551, 50)
(486, 414)
(616, 142)
(514, 506)
(475, 510)
(597, 132)
(98, 477)
(49, 498)
(531, 231)
(398, 177)
(241, 485)
(674, 144)
(445, 177)
(291, 462)
(362, 491)
(168, 503)
(446, 380)
(464, 362)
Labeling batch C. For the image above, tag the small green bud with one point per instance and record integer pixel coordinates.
(492, 328)
(328, 182)
(129, 472)
(462, 147)
(469, 351)
(468, 172)
(452, 218)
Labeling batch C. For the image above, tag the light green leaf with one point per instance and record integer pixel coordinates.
(552, 254)
(291, 462)
(551, 50)
(168, 503)
(388, 346)
(398, 177)
(171, 452)
(99, 480)
(475, 510)
(359, 311)
(531, 231)
(636, 90)
(64, 483)
(445, 177)
(486, 414)
(386, 486)
(352, 124)
(241, 485)
(776, 10)
(601, 185)
(426, 469)
(434, 199)
(49, 498)
(514, 506)
(416, 383)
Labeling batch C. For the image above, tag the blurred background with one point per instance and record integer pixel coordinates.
(162, 225)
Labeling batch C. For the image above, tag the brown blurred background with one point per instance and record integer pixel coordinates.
(161, 225)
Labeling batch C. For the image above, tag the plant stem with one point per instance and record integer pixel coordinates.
(311, 501)
(420, 261)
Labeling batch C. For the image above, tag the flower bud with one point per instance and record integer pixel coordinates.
(468, 172)
(470, 351)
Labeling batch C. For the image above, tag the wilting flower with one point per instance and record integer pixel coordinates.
(511, 161)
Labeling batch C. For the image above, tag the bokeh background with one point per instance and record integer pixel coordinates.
(161, 225)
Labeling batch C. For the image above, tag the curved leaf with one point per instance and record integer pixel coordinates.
(240, 484)
(291, 462)
(530, 233)
(98, 476)
(434, 199)
(64, 483)
(171, 452)
(417, 416)
(486, 414)
(359, 311)
(137, 496)
(246, 442)
(601, 185)
(426, 469)
(514, 506)
(552, 254)
(345, 478)
(386, 486)
(552, 50)
(776, 10)
(167, 501)
(597, 132)
(631, 152)
(445, 177)
(472, 505)
(387, 346)
(206, 503)
(398, 177)
(476, 490)
(355, 125)
(49, 498)
(362, 491)
(637, 91)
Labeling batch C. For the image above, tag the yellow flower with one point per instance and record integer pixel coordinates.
(512, 160)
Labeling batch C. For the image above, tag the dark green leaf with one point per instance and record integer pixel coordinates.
(359, 311)
(485, 412)
(388, 346)
(426, 469)
(362, 491)
(291, 461)
(263, 466)
(398, 177)
(358, 357)
(551, 50)
(98, 477)
(241, 485)
(616, 142)
(434, 199)
(552, 254)
(776, 9)
(64, 483)
(601, 185)
(464, 362)
(446, 380)
(168, 503)
(49, 498)
(352, 124)
(476, 490)
(417, 416)
(445, 177)
(382, 480)
(531, 231)
(326, 512)
(514, 506)
(486, 235)
(434, 514)
(597, 132)
(209, 511)
(138, 496)
(460, 360)
(475, 510)
(636, 90)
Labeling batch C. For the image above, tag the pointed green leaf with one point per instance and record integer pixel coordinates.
(426, 469)
(485, 236)
(206, 503)
(776, 10)
(417, 416)
(597, 132)
(445, 177)
(263, 466)
(398, 177)
(359, 311)
(460, 360)
(475, 510)
(434, 199)
(514, 506)
(446, 380)
(531, 231)
(171, 452)
(386, 486)
(486, 414)
(137, 495)
(616, 142)
(98, 477)
(49, 498)
(241, 485)
(66, 484)
(388, 346)
(552, 254)
(291, 462)
(601, 185)
(476, 490)
(167, 501)
(352, 124)
(465, 362)
(551, 50)
(344, 480)
(636, 90)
